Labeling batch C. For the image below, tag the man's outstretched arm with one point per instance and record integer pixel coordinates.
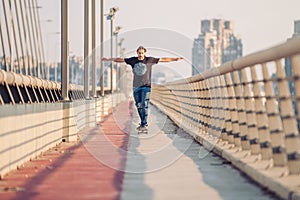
(119, 60)
(170, 59)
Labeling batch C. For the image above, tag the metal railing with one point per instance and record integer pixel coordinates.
(21, 89)
(251, 104)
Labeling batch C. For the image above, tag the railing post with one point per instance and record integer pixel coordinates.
(248, 110)
(220, 113)
(233, 134)
(262, 121)
(226, 118)
(261, 118)
(206, 110)
(289, 121)
(258, 110)
(243, 128)
(201, 107)
(275, 124)
(210, 100)
(296, 69)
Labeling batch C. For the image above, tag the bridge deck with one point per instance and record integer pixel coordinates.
(112, 161)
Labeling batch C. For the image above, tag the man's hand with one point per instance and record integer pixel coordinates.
(170, 59)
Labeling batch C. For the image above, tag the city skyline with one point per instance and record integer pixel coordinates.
(260, 25)
(216, 45)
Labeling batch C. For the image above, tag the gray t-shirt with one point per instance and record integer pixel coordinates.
(142, 70)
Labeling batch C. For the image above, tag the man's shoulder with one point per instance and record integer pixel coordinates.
(130, 60)
(151, 59)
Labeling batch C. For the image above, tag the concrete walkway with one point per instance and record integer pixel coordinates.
(113, 162)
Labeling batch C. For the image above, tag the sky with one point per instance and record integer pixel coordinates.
(168, 27)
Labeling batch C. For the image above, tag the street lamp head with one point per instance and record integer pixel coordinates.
(114, 9)
(117, 30)
(111, 14)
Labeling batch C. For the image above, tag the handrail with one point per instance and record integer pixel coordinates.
(245, 110)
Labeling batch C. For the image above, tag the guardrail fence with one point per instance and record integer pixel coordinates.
(250, 105)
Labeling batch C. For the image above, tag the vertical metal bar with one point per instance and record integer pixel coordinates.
(15, 37)
(101, 46)
(290, 127)
(65, 49)
(36, 22)
(36, 63)
(200, 107)
(234, 137)
(27, 61)
(86, 47)
(241, 109)
(258, 110)
(20, 36)
(9, 38)
(275, 123)
(212, 106)
(111, 54)
(3, 46)
(262, 121)
(94, 63)
(219, 103)
(116, 64)
(1, 100)
(295, 60)
(248, 111)
(31, 57)
(206, 106)
(34, 38)
(42, 42)
(227, 124)
(10, 93)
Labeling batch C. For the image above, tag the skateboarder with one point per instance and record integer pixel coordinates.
(142, 68)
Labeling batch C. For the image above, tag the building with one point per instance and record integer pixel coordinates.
(296, 28)
(215, 45)
(288, 64)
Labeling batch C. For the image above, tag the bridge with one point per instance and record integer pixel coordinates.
(231, 132)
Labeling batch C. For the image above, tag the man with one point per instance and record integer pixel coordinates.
(142, 68)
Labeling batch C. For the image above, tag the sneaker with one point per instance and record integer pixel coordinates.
(142, 127)
(139, 127)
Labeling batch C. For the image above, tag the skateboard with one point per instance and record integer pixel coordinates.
(143, 131)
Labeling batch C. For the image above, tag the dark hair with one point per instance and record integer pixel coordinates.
(141, 47)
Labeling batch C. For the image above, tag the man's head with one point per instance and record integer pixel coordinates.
(141, 51)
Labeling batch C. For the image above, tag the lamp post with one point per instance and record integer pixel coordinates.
(65, 49)
(101, 46)
(116, 33)
(121, 82)
(110, 16)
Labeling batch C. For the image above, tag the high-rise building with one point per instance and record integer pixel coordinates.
(296, 28)
(215, 45)
(288, 65)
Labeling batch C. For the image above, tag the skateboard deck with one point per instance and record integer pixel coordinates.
(143, 131)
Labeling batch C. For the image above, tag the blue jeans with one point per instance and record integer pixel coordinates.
(142, 97)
